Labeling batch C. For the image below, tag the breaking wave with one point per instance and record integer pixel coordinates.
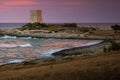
(90, 43)
(8, 37)
(14, 37)
(15, 45)
(26, 38)
(16, 61)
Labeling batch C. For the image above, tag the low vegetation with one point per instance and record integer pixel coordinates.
(116, 28)
(114, 46)
(69, 25)
(89, 67)
(66, 27)
(1, 32)
(33, 26)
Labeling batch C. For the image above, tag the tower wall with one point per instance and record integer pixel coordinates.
(36, 16)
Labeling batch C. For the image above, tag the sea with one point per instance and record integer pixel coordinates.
(18, 49)
(11, 25)
(102, 26)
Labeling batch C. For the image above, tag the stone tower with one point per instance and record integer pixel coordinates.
(36, 16)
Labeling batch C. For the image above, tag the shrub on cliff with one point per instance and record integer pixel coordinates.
(115, 28)
(84, 29)
(114, 46)
(69, 25)
(33, 26)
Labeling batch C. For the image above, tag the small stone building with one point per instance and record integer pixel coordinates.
(36, 16)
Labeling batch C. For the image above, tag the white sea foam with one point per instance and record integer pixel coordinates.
(56, 50)
(14, 37)
(16, 61)
(13, 61)
(6, 37)
(49, 52)
(90, 43)
(25, 45)
(15, 45)
(26, 38)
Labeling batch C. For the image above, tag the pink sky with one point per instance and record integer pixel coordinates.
(61, 11)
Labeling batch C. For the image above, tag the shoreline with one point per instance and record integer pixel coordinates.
(88, 49)
(59, 36)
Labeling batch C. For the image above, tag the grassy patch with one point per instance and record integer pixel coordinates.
(93, 67)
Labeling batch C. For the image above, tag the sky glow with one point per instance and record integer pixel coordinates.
(61, 11)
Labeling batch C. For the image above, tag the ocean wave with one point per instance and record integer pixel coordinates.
(49, 52)
(91, 43)
(25, 45)
(15, 45)
(15, 61)
(8, 37)
(26, 38)
(14, 37)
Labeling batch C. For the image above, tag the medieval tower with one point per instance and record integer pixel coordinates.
(36, 16)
